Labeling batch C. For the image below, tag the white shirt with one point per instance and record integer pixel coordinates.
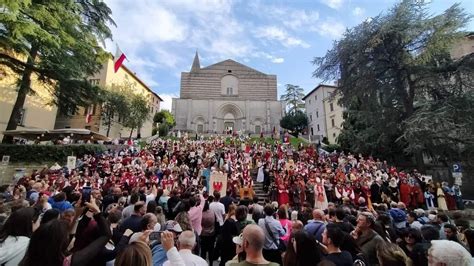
(219, 210)
(189, 259)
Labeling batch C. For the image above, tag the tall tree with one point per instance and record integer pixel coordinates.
(56, 41)
(394, 72)
(137, 112)
(293, 98)
(165, 116)
(115, 105)
(296, 122)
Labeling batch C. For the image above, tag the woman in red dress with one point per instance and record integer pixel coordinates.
(283, 197)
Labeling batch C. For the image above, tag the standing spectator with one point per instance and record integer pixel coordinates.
(393, 255)
(134, 221)
(195, 213)
(253, 241)
(227, 200)
(410, 239)
(218, 209)
(333, 238)
(316, 226)
(273, 231)
(208, 233)
(15, 235)
(48, 244)
(302, 250)
(285, 223)
(187, 241)
(366, 238)
(127, 211)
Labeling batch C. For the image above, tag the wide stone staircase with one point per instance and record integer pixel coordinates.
(258, 189)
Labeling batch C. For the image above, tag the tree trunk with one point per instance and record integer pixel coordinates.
(23, 90)
(109, 124)
(131, 133)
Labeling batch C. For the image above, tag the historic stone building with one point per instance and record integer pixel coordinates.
(227, 96)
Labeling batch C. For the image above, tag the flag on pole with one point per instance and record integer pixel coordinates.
(89, 114)
(118, 59)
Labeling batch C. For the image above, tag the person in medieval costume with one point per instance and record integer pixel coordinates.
(449, 196)
(458, 197)
(261, 174)
(418, 196)
(338, 191)
(393, 189)
(310, 191)
(441, 198)
(320, 199)
(429, 199)
(283, 197)
(348, 192)
(405, 192)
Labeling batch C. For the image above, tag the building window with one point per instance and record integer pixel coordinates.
(21, 119)
(309, 101)
(318, 127)
(311, 118)
(230, 91)
(229, 71)
(332, 122)
(312, 133)
(94, 81)
(334, 135)
(315, 97)
(317, 114)
(331, 107)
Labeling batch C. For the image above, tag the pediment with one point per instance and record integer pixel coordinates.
(230, 64)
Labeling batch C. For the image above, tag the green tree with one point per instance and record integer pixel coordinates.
(395, 72)
(114, 105)
(293, 98)
(137, 112)
(163, 129)
(57, 41)
(164, 116)
(295, 122)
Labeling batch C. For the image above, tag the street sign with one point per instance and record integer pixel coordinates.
(457, 168)
(5, 159)
(457, 178)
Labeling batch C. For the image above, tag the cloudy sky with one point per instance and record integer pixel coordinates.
(160, 37)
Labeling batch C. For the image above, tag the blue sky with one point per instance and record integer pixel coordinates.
(278, 37)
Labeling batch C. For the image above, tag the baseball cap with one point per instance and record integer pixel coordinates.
(238, 239)
(174, 226)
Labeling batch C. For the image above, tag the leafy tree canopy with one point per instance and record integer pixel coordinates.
(293, 98)
(57, 41)
(401, 85)
(295, 122)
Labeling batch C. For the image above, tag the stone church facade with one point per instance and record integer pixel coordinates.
(227, 96)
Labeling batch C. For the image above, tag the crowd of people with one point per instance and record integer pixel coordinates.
(158, 205)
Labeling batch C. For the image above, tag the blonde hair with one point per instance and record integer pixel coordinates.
(390, 254)
(137, 253)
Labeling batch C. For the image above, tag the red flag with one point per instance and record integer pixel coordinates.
(118, 59)
(89, 114)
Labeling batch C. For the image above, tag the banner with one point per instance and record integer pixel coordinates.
(218, 182)
(71, 162)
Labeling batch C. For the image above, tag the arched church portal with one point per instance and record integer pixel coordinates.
(229, 118)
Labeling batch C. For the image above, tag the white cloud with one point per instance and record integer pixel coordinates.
(278, 34)
(278, 60)
(167, 100)
(358, 11)
(330, 28)
(335, 4)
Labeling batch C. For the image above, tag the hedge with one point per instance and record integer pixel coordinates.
(47, 153)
